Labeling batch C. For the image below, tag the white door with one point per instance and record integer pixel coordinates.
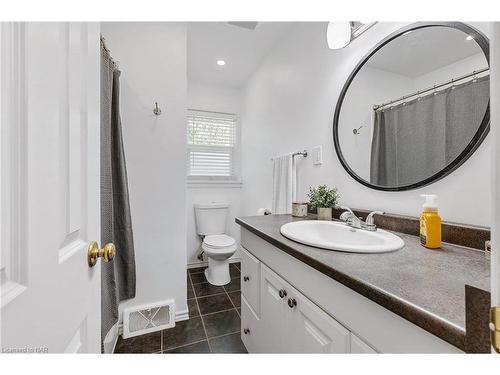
(495, 130)
(50, 298)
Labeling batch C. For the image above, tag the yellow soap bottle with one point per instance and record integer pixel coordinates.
(430, 223)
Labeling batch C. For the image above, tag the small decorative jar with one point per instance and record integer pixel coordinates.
(299, 209)
(325, 213)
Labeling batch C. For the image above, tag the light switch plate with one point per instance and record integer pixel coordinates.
(317, 155)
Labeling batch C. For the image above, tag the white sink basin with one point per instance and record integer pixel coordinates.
(338, 236)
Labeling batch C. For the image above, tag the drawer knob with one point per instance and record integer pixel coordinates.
(292, 303)
(246, 278)
(282, 293)
(246, 331)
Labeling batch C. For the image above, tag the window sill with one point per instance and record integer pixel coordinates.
(196, 184)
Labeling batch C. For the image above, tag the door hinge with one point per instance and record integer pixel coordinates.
(495, 328)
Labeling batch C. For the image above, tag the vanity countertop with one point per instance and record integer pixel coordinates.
(426, 287)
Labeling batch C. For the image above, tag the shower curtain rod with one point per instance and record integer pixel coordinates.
(453, 80)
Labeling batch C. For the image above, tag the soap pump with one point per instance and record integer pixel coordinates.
(430, 223)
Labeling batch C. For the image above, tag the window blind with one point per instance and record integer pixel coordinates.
(211, 144)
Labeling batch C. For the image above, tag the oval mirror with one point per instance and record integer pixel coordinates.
(415, 108)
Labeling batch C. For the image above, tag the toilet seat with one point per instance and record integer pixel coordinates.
(218, 241)
(219, 245)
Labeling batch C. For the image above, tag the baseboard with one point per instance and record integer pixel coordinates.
(181, 315)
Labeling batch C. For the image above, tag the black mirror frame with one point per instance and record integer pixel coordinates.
(476, 141)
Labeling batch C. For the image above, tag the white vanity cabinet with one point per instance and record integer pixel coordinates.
(289, 307)
(289, 322)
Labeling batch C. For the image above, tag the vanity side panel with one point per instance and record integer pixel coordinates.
(385, 331)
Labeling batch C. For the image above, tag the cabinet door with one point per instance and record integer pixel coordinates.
(291, 323)
(314, 331)
(275, 333)
(359, 346)
(250, 328)
(250, 280)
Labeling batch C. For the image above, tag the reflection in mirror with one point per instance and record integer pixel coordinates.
(414, 107)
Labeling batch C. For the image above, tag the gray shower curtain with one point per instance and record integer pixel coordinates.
(117, 277)
(415, 141)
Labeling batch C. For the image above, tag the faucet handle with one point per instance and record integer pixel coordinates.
(369, 218)
(346, 208)
(347, 214)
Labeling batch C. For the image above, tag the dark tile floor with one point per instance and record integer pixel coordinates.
(213, 325)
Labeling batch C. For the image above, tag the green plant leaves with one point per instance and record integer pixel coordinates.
(323, 197)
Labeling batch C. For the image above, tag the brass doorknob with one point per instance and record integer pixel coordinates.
(107, 253)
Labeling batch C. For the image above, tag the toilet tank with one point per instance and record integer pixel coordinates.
(211, 218)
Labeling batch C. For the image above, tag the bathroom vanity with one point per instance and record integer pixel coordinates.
(299, 299)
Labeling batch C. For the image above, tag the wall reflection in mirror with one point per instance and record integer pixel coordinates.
(416, 108)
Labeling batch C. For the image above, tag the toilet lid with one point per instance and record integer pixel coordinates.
(219, 240)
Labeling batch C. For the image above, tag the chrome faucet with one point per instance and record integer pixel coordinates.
(353, 221)
(350, 218)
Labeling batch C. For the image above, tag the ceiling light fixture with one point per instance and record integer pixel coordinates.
(338, 34)
(221, 62)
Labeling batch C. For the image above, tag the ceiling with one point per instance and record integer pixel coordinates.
(424, 50)
(242, 48)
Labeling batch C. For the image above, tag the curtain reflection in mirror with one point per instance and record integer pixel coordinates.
(415, 140)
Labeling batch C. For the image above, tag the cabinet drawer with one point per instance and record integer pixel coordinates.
(250, 326)
(250, 280)
(359, 346)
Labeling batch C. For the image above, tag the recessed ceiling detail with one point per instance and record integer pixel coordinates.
(242, 49)
(245, 25)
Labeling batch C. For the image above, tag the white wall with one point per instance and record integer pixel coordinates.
(219, 99)
(288, 105)
(152, 59)
(456, 69)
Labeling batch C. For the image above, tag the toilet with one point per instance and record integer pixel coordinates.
(218, 247)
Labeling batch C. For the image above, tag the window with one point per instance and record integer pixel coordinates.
(212, 140)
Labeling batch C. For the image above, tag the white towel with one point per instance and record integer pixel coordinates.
(283, 181)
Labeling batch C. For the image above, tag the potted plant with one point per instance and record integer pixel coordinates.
(324, 200)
